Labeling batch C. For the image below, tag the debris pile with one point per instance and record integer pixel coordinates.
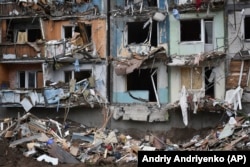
(66, 142)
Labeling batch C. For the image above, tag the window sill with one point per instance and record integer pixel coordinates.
(191, 42)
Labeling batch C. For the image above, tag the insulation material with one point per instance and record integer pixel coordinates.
(184, 105)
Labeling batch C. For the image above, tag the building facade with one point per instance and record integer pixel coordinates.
(53, 53)
(140, 60)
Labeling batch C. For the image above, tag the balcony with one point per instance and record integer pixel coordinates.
(21, 51)
(196, 5)
(12, 9)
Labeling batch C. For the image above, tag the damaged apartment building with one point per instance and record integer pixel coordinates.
(139, 59)
(53, 53)
(166, 53)
(139, 46)
(197, 52)
(238, 39)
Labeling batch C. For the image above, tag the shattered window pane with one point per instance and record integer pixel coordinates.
(69, 31)
(141, 80)
(34, 35)
(190, 30)
(82, 75)
(138, 35)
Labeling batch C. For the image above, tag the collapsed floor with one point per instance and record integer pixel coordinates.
(31, 141)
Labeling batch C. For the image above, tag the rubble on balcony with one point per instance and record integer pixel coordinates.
(73, 94)
(196, 5)
(55, 94)
(58, 141)
(139, 8)
(197, 59)
(126, 66)
(59, 8)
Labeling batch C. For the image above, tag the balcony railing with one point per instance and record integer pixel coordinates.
(18, 51)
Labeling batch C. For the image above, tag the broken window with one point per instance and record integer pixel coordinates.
(150, 3)
(209, 82)
(78, 34)
(68, 31)
(28, 35)
(141, 80)
(67, 76)
(85, 74)
(34, 34)
(27, 79)
(23, 30)
(247, 27)
(190, 30)
(137, 34)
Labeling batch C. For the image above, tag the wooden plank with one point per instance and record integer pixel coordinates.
(26, 139)
(231, 145)
(185, 77)
(235, 66)
(83, 33)
(232, 81)
(191, 76)
(197, 78)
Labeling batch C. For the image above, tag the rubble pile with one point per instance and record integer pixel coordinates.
(66, 142)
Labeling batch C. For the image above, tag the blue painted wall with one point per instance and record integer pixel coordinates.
(117, 29)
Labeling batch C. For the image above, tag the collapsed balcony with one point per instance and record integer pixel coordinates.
(82, 93)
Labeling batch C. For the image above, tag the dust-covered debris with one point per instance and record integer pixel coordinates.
(31, 141)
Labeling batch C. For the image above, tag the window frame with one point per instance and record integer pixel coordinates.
(24, 30)
(27, 79)
(126, 34)
(244, 28)
(202, 31)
